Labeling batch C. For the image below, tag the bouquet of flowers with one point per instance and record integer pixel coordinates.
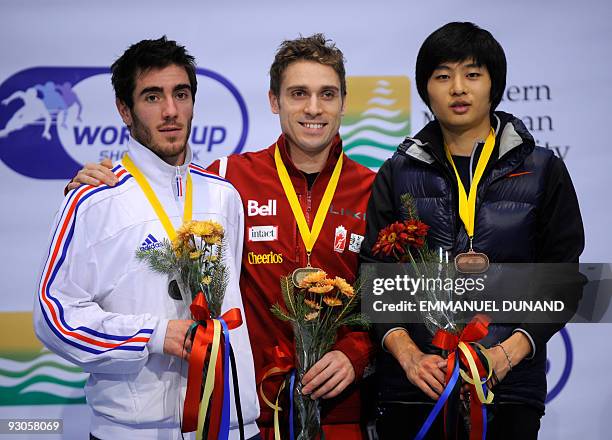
(317, 308)
(405, 242)
(194, 261)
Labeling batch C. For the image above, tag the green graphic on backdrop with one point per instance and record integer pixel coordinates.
(376, 119)
(29, 373)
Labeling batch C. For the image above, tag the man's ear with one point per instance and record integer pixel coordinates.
(124, 111)
(343, 108)
(274, 104)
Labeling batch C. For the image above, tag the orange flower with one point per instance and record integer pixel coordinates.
(321, 289)
(312, 279)
(345, 288)
(312, 304)
(331, 301)
(310, 316)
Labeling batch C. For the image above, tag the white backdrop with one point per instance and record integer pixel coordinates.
(558, 80)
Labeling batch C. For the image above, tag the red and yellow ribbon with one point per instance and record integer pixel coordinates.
(463, 346)
(207, 334)
(281, 364)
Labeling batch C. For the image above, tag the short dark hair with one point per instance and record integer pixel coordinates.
(145, 55)
(456, 42)
(314, 48)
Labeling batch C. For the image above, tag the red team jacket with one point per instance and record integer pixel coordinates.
(274, 248)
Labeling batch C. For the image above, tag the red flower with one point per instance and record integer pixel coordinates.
(397, 238)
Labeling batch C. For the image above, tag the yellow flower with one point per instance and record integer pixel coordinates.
(331, 301)
(177, 246)
(345, 288)
(312, 304)
(312, 278)
(212, 239)
(183, 233)
(321, 289)
(195, 255)
(212, 258)
(218, 229)
(201, 228)
(312, 315)
(206, 280)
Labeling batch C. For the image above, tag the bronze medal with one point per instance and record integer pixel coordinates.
(471, 262)
(300, 273)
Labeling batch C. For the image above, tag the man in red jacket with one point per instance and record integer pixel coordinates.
(307, 91)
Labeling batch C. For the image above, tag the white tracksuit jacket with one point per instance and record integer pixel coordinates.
(100, 308)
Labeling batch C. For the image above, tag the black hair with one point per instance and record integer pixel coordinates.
(456, 42)
(145, 55)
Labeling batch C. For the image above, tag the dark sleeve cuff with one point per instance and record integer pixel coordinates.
(358, 347)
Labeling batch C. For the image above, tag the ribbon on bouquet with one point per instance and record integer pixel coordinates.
(213, 333)
(464, 351)
(282, 364)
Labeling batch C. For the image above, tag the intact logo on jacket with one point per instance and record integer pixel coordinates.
(262, 233)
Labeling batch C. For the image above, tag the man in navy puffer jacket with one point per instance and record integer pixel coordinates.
(526, 210)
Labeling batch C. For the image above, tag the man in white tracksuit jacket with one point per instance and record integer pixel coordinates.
(104, 310)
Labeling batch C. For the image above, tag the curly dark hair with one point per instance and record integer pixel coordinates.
(145, 55)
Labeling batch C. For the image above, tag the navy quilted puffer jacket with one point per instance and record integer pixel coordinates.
(526, 211)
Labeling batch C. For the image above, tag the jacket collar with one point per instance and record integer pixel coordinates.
(334, 153)
(511, 135)
(157, 172)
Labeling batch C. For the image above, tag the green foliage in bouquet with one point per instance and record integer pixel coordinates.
(194, 259)
(317, 308)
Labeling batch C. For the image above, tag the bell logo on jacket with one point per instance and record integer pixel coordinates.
(253, 208)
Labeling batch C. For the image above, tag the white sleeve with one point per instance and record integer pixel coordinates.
(67, 318)
(223, 166)
(234, 240)
(240, 336)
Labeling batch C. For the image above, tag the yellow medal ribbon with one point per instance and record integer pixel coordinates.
(474, 377)
(308, 236)
(209, 384)
(467, 203)
(154, 201)
(277, 408)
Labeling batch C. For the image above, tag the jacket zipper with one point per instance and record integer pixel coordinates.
(454, 196)
(178, 185)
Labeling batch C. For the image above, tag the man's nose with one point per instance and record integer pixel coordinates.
(458, 86)
(313, 107)
(170, 109)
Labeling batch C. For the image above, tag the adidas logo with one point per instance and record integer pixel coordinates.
(150, 243)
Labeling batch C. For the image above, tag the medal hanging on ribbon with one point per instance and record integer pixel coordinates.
(472, 261)
(309, 236)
